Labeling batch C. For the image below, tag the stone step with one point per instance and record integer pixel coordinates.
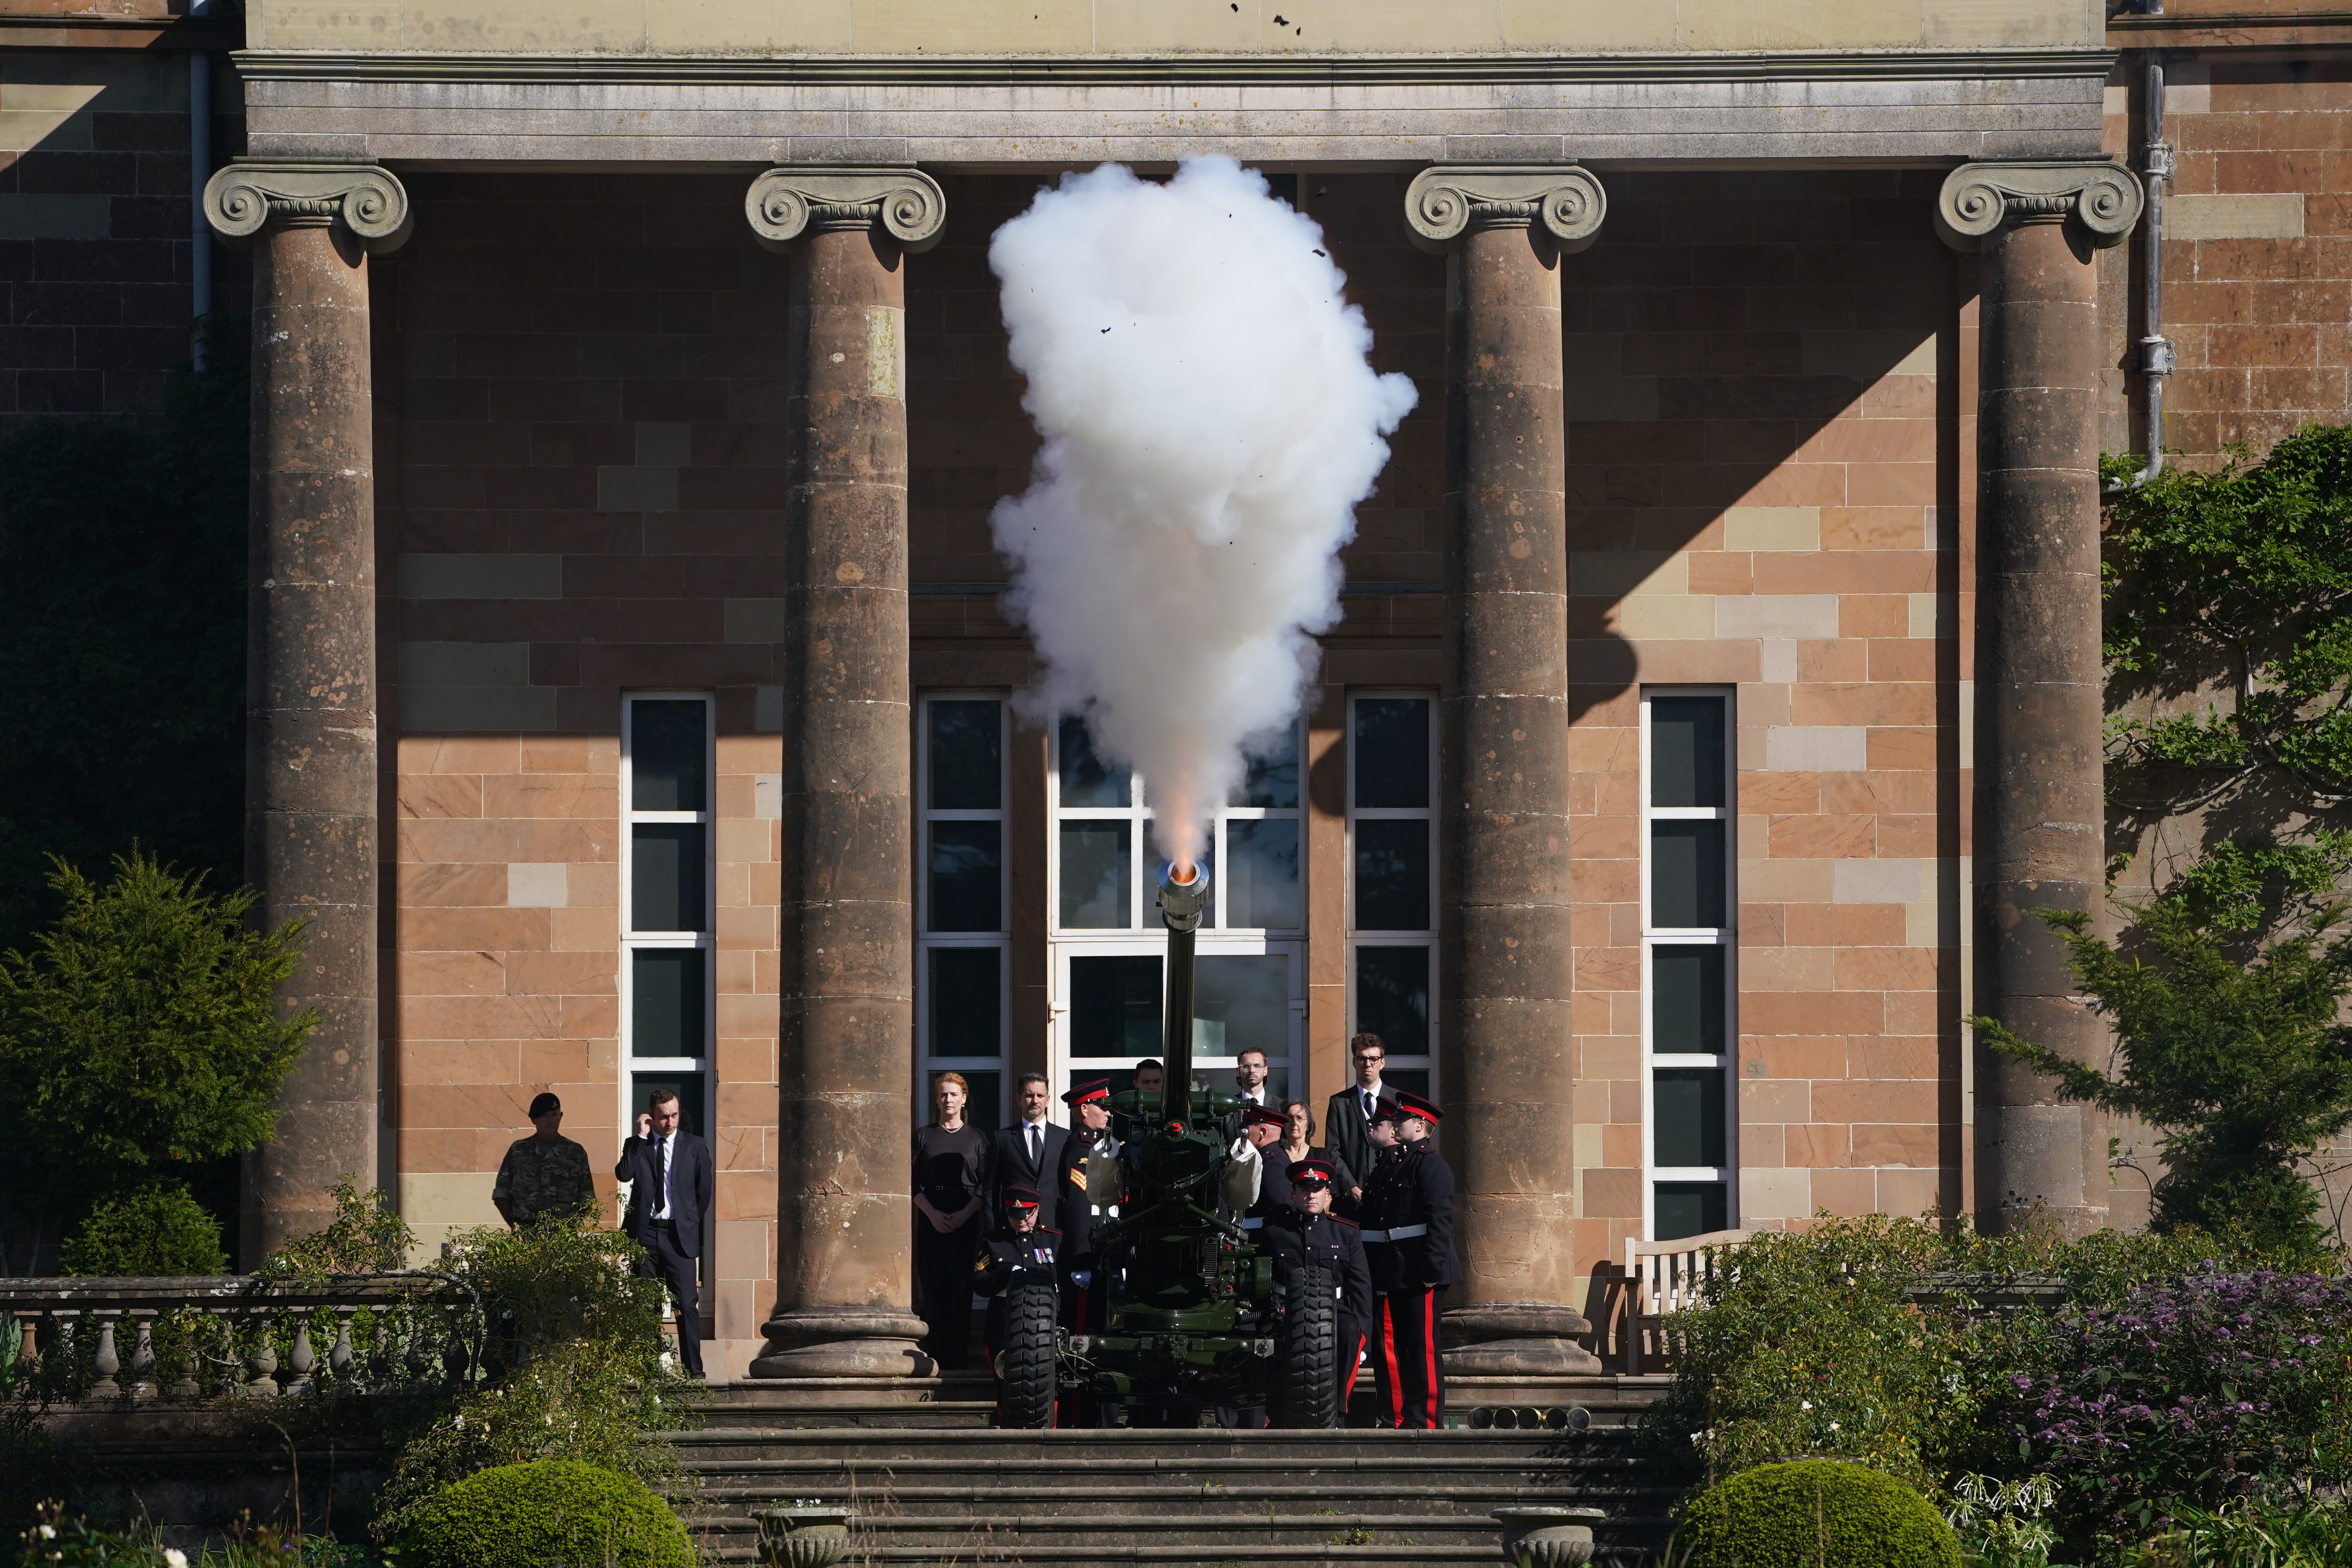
(1185, 1448)
(1468, 1498)
(1242, 1538)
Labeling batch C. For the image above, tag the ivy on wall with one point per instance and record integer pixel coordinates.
(2237, 582)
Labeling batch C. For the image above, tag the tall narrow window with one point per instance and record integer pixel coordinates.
(1689, 947)
(962, 999)
(1249, 988)
(1392, 891)
(667, 969)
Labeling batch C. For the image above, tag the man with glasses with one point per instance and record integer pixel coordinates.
(1347, 1119)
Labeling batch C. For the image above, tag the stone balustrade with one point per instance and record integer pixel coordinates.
(131, 1341)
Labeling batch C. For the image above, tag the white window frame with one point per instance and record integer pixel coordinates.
(1144, 933)
(1725, 936)
(926, 941)
(1422, 1062)
(633, 940)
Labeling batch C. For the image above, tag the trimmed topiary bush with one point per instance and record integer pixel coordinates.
(1813, 1514)
(550, 1513)
(156, 1231)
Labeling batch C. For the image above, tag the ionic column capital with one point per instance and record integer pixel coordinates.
(244, 198)
(1447, 201)
(907, 204)
(1978, 199)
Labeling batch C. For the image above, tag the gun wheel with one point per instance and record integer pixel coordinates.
(1025, 1377)
(1310, 1351)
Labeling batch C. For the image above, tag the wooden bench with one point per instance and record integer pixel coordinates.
(1661, 1278)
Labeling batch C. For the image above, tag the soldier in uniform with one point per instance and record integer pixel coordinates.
(1409, 1240)
(1019, 1249)
(544, 1174)
(1305, 1230)
(1085, 1292)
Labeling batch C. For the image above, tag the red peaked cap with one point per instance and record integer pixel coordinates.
(1022, 1198)
(1093, 1089)
(1410, 1104)
(1313, 1171)
(1386, 1109)
(1264, 1117)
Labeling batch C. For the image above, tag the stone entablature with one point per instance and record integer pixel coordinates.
(1080, 28)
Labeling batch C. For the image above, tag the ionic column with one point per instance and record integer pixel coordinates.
(2039, 821)
(310, 722)
(1503, 775)
(845, 1276)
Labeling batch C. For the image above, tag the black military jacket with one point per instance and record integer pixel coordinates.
(1081, 1209)
(1006, 1258)
(1294, 1237)
(1412, 1191)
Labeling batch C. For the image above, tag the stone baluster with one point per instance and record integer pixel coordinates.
(844, 1266)
(191, 1359)
(143, 1358)
(303, 1360)
(228, 1379)
(2039, 819)
(340, 1357)
(106, 1363)
(261, 1362)
(456, 1360)
(1504, 1034)
(418, 1359)
(310, 722)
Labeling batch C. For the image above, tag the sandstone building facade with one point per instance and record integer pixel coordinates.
(1719, 674)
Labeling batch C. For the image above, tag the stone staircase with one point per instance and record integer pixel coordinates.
(946, 1494)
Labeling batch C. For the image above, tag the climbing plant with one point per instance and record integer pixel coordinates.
(2235, 587)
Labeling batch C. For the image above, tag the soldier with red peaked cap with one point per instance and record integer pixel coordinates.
(1409, 1240)
(1305, 1231)
(1019, 1249)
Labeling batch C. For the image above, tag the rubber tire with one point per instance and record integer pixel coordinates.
(1025, 1387)
(1311, 1353)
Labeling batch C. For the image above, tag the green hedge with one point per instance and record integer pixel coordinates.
(155, 1231)
(1814, 1513)
(550, 1513)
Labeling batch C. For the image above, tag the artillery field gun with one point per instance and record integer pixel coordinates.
(1195, 1313)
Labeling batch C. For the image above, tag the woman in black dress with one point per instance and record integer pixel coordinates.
(950, 1184)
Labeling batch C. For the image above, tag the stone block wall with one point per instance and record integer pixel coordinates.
(95, 254)
(1766, 467)
(581, 389)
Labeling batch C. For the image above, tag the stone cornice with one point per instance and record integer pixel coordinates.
(2105, 198)
(784, 203)
(1447, 201)
(1904, 65)
(243, 198)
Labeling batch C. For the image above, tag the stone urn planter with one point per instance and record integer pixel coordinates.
(1548, 1537)
(808, 1536)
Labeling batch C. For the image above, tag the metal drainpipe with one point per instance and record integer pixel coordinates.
(200, 169)
(2156, 356)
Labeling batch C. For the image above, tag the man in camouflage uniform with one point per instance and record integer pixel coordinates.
(544, 1174)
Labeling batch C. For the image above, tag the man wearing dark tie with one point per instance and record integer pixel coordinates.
(1029, 1153)
(672, 1172)
(1347, 1119)
(1249, 1075)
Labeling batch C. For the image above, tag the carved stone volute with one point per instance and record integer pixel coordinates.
(245, 197)
(1444, 201)
(906, 204)
(2104, 199)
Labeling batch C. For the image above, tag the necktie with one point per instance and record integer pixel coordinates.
(661, 1163)
(1369, 1099)
(1037, 1142)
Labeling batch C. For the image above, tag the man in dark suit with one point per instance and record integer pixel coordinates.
(1029, 1153)
(1348, 1118)
(672, 1171)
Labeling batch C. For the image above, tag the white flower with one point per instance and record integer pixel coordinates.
(1832, 1425)
(48, 1532)
(1804, 1405)
(175, 1558)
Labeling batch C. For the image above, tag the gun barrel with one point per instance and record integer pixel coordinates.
(1183, 900)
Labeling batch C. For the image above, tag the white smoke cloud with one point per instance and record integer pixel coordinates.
(1210, 423)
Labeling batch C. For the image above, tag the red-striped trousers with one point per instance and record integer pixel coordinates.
(1406, 1368)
